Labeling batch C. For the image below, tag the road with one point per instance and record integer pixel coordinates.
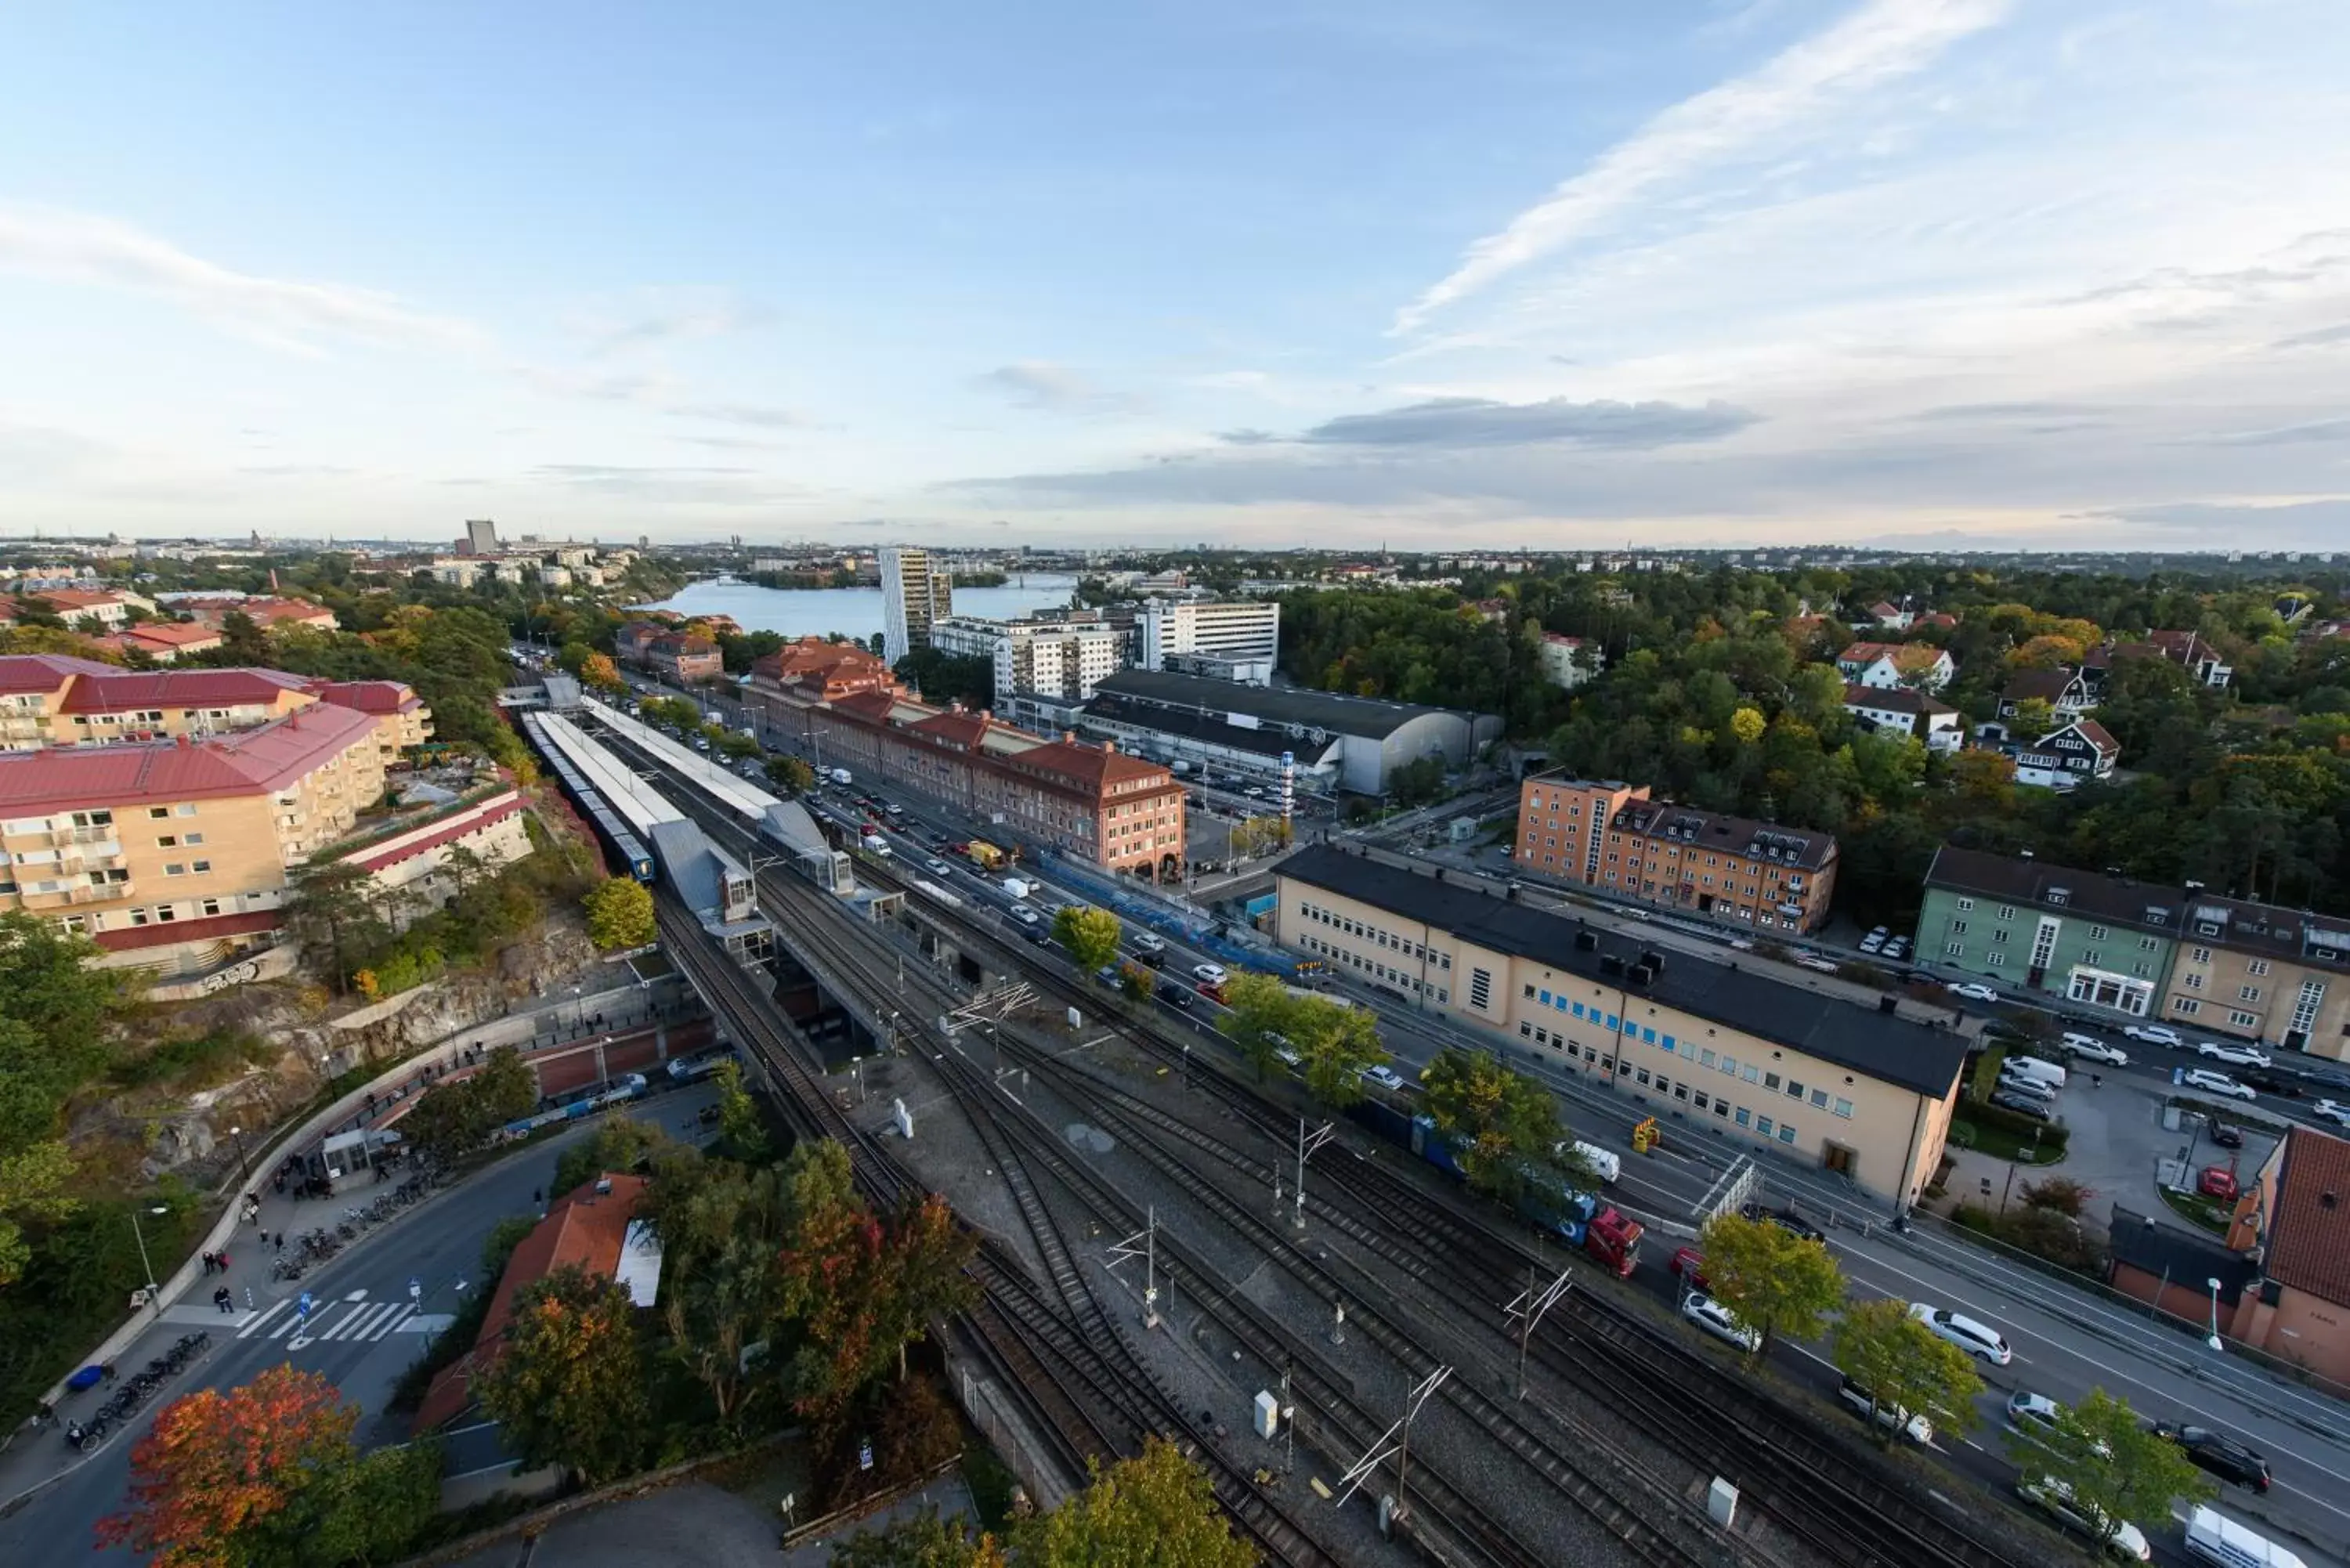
(363, 1329)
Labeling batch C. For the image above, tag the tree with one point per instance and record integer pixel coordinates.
(620, 1143)
(1259, 835)
(1091, 935)
(790, 773)
(920, 1540)
(1499, 1122)
(34, 1184)
(1157, 1511)
(723, 1230)
(268, 1474)
(1134, 980)
(1904, 1364)
(1775, 1281)
(332, 909)
(2116, 1469)
(620, 914)
(599, 672)
(1259, 1013)
(568, 1385)
(1748, 724)
(242, 642)
(739, 1125)
(457, 1118)
(861, 1289)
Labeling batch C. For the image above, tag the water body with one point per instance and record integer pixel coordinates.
(853, 612)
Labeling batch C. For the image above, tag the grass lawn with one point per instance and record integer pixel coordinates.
(2197, 1210)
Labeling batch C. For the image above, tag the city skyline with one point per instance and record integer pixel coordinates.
(1921, 274)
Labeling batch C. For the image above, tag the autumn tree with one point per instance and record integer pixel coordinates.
(1775, 1281)
(268, 1473)
(597, 671)
(1091, 935)
(568, 1384)
(620, 914)
(790, 773)
(1502, 1125)
(1134, 980)
(2115, 1467)
(920, 1540)
(457, 1117)
(1905, 1366)
(1156, 1511)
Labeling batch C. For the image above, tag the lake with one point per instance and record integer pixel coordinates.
(853, 612)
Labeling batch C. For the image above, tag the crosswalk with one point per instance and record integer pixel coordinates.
(346, 1322)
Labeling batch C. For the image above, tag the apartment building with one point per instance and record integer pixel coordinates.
(1889, 664)
(916, 594)
(1705, 1047)
(1096, 802)
(109, 608)
(56, 700)
(684, 659)
(815, 671)
(174, 855)
(1898, 710)
(1568, 661)
(1229, 639)
(1063, 657)
(2261, 972)
(268, 611)
(2101, 942)
(1611, 838)
(163, 641)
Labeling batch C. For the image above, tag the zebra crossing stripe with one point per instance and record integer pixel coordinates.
(391, 1323)
(249, 1330)
(347, 1325)
(284, 1323)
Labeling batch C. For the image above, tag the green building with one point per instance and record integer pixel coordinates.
(2101, 942)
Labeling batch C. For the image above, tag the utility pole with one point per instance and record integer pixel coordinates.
(1144, 1244)
(1307, 1143)
(1528, 1310)
(1376, 1455)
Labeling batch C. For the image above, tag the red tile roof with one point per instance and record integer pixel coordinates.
(960, 730)
(106, 690)
(175, 634)
(164, 933)
(367, 696)
(455, 827)
(2308, 1236)
(251, 761)
(1090, 768)
(23, 673)
(585, 1229)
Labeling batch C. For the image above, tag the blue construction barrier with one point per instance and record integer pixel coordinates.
(1187, 925)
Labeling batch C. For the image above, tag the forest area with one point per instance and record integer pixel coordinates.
(1719, 690)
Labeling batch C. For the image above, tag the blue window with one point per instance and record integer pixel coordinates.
(1669, 1044)
(1613, 1022)
(1786, 1133)
(1578, 1010)
(1560, 1003)
(1742, 1116)
(1545, 999)
(1649, 1035)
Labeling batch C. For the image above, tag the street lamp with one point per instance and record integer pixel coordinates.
(2215, 1342)
(578, 1008)
(154, 1292)
(243, 1170)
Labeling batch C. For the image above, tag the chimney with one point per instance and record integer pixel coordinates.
(1109, 746)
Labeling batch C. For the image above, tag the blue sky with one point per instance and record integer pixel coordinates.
(2068, 272)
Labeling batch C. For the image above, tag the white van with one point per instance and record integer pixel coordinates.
(1604, 1163)
(2213, 1537)
(2047, 1072)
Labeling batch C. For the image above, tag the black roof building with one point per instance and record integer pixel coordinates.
(1882, 1045)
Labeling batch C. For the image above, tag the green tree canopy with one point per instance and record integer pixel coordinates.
(1156, 1511)
(1502, 1125)
(621, 914)
(2115, 1466)
(1904, 1364)
(1091, 935)
(1775, 1281)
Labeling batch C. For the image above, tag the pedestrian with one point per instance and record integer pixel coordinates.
(208, 1262)
(223, 1256)
(222, 1299)
(537, 1196)
(280, 1184)
(281, 1241)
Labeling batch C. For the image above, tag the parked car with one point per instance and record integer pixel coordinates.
(1875, 939)
(1899, 948)
(2216, 1181)
(1385, 1076)
(1972, 990)
(1973, 1337)
(2119, 1537)
(1719, 1321)
(1892, 1418)
(2234, 1055)
(2030, 1088)
(2096, 1049)
(2213, 1083)
(1213, 973)
(1787, 1220)
(2223, 1456)
(2023, 1104)
(1689, 1267)
(2154, 1034)
(2224, 1135)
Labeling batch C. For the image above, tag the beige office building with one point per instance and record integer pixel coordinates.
(1709, 1049)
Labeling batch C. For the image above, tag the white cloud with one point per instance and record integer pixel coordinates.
(665, 315)
(1883, 40)
(1041, 384)
(84, 248)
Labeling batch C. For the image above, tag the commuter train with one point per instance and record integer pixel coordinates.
(618, 836)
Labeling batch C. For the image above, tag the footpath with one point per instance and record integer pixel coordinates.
(633, 1026)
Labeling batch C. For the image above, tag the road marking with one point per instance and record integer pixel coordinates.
(345, 1323)
(388, 1325)
(249, 1330)
(281, 1328)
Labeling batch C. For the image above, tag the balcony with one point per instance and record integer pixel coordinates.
(76, 897)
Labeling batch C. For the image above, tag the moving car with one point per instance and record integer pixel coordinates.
(2154, 1034)
(1385, 1076)
(2334, 1111)
(1972, 990)
(1144, 942)
(2216, 1083)
(2213, 1537)
(1719, 1321)
(1974, 1338)
(2096, 1049)
(1151, 957)
(2234, 1055)
(938, 868)
(1787, 1220)
(2270, 1083)
(2033, 1415)
(1175, 996)
(1890, 1416)
(2223, 1456)
(2119, 1536)
(1026, 916)
(1213, 973)
(1812, 960)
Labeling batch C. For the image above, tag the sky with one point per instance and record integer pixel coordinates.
(1924, 274)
